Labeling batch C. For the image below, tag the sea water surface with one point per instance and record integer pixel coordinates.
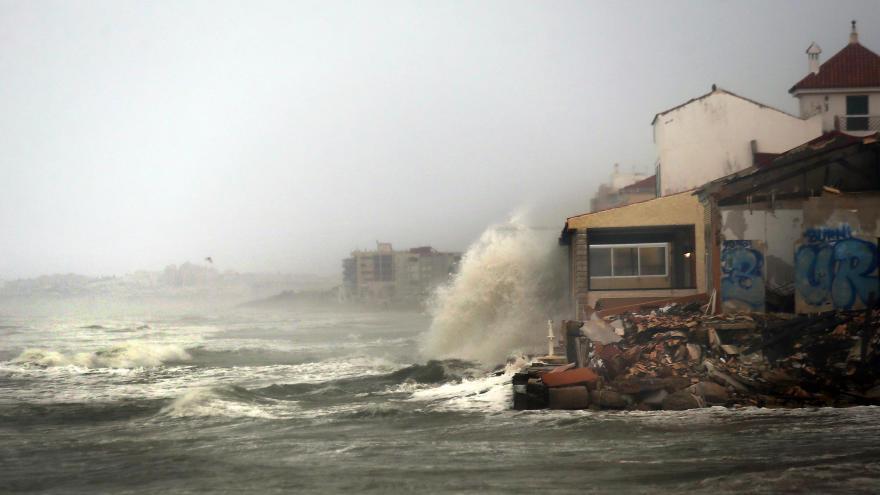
(231, 400)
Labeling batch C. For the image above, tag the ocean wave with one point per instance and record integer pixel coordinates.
(492, 393)
(374, 410)
(133, 354)
(28, 413)
(226, 400)
(809, 477)
(506, 288)
(434, 371)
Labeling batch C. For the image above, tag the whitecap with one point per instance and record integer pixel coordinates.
(132, 354)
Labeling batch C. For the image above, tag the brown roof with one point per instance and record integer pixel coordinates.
(646, 184)
(853, 67)
(826, 143)
(762, 160)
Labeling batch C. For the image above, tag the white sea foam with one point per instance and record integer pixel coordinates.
(132, 354)
(485, 394)
(509, 284)
(224, 401)
(338, 369)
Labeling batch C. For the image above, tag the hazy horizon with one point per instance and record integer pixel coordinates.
(279, 136)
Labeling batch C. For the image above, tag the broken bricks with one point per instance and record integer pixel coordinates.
(676, 358)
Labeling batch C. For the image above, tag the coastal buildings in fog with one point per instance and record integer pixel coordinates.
(756, 209)
(622, 189)
(387, 276)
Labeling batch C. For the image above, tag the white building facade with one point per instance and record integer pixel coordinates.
(720, 133)
(843, 92)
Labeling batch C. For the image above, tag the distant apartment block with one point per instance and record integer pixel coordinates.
(386, 275)
(623, 189)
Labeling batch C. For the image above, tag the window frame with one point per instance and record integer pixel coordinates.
(664, 245)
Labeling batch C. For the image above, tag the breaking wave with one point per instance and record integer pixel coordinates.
(491, 393)
(227, 400)
(511, 281)
(132, 354)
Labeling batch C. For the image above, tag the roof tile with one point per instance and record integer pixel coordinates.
(853, 67)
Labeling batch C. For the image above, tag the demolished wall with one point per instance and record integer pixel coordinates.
(836, 258)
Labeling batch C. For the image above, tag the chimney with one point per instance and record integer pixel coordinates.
(813, 52)
(853, 35)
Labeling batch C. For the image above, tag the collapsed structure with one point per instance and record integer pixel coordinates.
(676, 357)
(753, 204)
(759, 213)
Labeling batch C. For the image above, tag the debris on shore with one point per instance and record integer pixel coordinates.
(676, 358)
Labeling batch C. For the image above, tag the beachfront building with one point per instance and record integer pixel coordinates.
(719, 133)
(843, 92)
(641, 252)
(388, 276)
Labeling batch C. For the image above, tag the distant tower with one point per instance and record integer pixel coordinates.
(853, 35)
(813, 52)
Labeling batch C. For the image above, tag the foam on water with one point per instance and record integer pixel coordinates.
(132, 354)
(481, 394)
(227, 401)
(509, 284)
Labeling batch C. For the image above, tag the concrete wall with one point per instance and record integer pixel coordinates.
(836, 258)
(778, 229)
(711, 137)
(677, 209)
(815, 104)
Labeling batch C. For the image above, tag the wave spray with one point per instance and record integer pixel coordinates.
(510, 282)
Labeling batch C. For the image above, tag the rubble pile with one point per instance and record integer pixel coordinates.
(676, 358)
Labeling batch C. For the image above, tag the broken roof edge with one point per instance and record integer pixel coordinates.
(568, 219)
(718, 89)
(790, 157)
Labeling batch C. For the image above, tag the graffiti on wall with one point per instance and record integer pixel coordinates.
(835, 270)
(742, 276)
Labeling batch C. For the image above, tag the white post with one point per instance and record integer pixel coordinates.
(549, 337)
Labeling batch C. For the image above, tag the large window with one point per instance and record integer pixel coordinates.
(628, 260)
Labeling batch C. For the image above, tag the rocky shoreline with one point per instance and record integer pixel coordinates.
(676, 358)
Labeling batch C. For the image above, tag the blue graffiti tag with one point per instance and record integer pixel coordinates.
(742, 278)
(814, 270)
(827, 234)
(855, 261)
(839, 274)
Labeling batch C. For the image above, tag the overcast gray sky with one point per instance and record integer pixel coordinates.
(280, 135)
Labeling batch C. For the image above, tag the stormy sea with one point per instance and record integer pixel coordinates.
(129, 396)
(318, 401)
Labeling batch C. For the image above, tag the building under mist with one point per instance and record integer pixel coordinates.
(387, 276)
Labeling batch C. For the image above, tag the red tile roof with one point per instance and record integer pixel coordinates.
(646, 184)
(853, 67)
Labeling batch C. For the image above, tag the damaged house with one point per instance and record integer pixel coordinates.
(657, 248)
(758, 209)
(800, 232)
